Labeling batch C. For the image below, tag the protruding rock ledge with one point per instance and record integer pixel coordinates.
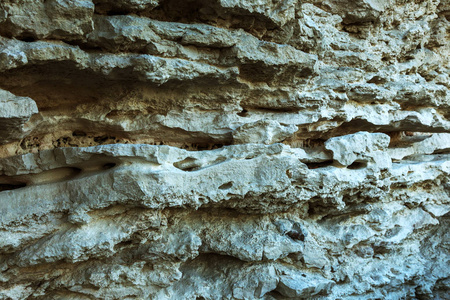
(14, 113)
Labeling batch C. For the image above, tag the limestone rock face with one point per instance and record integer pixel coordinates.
(224, 149)
(15, 112)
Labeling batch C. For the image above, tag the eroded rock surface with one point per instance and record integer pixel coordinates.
(225, 149)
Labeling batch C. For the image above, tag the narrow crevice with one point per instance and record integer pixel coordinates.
(195, 12)
(322, 164)
(124, 244)
(296, 235)
(108, 166)
(441, 151)
(243, 113)
(357, 165)
(249, 109)
(191, 164)
(188, 164)
(7, 187)
(56, 175)
(28, 39)
(275, 295)
(226, 186)
(401, 139)
(50, 176)
(83, 138)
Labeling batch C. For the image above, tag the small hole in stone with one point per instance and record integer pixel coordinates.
(78, 133)
(357, 165)
(109, 166)
(124, 244)
(6, 187)
(322, 164)
(226, 186)
(188, 164)
(288, 173)
(275, 294)
(28, 39)
(243, 113)
(377, 80)
(295, 235)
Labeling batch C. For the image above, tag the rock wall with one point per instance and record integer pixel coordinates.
(224, 149)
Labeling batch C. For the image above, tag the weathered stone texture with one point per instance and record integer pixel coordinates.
(224, 149)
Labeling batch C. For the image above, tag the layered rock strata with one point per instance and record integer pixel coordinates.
(166, 149)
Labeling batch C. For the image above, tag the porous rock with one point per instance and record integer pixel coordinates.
(225, 149)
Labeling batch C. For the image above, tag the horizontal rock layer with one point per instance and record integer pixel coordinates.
(165, 149)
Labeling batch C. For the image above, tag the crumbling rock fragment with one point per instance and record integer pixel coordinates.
(263, 131)
(360, 147)
(14, 113)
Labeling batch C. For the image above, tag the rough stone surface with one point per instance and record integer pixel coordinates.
(15, 112)
(224, 149)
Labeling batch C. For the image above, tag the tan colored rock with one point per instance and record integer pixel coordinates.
(263, 131)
